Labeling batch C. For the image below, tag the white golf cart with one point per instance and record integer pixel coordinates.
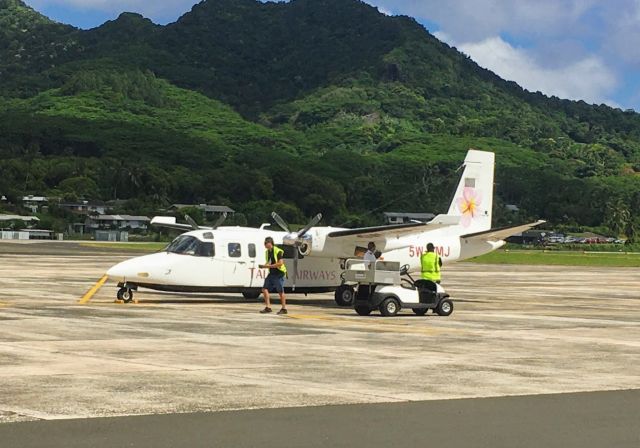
(386, 286)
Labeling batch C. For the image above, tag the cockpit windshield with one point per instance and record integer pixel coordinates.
(189, 245)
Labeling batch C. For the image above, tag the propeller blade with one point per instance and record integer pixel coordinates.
(220, 220)
(194, 225)
(295, 269)
(281, 222)
(316, 219)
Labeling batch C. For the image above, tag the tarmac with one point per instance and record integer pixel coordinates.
(547, 347)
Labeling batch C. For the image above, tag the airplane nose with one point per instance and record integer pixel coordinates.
(139, 269)
(118, 271)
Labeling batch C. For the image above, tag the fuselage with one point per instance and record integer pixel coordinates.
(228, 259)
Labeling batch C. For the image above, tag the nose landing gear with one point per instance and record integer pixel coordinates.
(125, 293)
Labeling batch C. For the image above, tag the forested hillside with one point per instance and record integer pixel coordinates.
(306, 106)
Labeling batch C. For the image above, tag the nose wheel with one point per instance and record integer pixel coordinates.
(125, 294)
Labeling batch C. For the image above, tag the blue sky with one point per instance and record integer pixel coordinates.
(576, 49)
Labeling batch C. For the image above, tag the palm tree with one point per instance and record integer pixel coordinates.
(618, 216)
(631, 230)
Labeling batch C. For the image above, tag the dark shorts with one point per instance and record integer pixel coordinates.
(274, 283)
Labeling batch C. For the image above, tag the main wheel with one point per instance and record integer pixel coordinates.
(344, 295)
(125, 295)
(389, 307)
(251, 295)
(445, 307)
(363, 310)
(420, 311)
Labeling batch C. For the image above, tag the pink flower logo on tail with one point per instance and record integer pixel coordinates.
(468, 205)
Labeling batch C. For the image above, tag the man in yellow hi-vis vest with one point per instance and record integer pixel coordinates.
(430, 264)
(274, 257)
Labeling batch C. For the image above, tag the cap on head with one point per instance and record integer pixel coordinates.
(430, 247)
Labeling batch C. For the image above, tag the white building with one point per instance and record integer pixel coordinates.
(7, 218)
(7, 233)
(34, 203)
(116, 222)
(208, 210)
(85, 207)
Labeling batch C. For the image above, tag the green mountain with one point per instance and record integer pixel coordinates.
(306, 106)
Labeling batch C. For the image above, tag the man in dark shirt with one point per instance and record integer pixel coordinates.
(274, 257)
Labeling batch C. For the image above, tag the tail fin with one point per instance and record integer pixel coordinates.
(473, 199)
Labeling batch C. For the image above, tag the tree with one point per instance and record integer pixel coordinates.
(618, 217)
(631, 230)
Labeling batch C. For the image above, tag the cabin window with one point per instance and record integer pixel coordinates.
(189, 245)
(252, 250)
(235, 250)
(206, 250)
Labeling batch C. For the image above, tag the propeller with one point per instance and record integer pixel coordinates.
(316, 219)
(220, 220)
(296, 239)
(194, 225)
(281, 222)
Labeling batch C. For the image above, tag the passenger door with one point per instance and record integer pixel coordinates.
(236, 270)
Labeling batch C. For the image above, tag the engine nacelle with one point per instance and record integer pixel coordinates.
(290, 239)
(305, 248)
(302, 243)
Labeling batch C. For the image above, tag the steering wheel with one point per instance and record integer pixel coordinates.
(404, 270)
(407, 284)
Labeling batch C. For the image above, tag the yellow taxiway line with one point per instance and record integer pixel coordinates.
(94, 289)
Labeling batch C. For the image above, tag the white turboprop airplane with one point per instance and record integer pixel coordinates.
(227, 259)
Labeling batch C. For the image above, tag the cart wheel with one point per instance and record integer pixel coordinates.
(389, 306)
(250, 295)
(344, 295)
(445, 307)
(420, 311)
(363, 310)
(125, 294)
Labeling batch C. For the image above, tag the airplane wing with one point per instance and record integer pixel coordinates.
(502, 233)
(169, 222)
(396, 230)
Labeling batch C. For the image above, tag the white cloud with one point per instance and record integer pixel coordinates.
(474, 20)
(577, 49)
(623, 34)
(588, 79)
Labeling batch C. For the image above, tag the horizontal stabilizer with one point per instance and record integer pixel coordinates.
(500, 234)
